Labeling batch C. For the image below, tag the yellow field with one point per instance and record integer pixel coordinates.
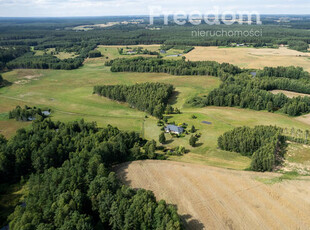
(214, 198)
(251, 57)
(289, 93)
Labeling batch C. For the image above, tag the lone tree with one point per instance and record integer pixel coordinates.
(162, 138)
(193, 129)
(192, 141)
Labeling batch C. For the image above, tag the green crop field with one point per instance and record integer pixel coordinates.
(111, 52)
(69, 95)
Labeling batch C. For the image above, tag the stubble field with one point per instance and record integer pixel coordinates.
(214, 198)
(251, 57)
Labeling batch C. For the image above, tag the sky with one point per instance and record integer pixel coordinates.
(69, 8)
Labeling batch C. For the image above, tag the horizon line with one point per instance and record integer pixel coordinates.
(137, 15)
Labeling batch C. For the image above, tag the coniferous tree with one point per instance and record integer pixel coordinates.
(192, 140)
(193, 129)
(162, 138)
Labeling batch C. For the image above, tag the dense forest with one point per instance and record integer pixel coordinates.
(175, 67)
(60, 32)
(247, 91)
(10, 53)
(149, 97)
(71, 185)
(48, 61)
(28, 113)
(31, 61)
(284, 72)
(264, 144)
(19, 36)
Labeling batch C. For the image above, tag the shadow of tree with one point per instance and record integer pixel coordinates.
(174, 97)
(190, 223)
(198, 144)
(5, 83)
(169, 141)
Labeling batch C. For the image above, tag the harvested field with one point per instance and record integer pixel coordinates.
(214, 198)
(289, 94)
(251, 57)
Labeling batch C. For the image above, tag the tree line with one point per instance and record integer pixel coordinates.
(264, 144)
(27, 113)
(174, 67)
(247, 91)
(294, 85)
(94, 54)
(8, 54)
(298, 45)
(284, 72)
(239, 87)
(60, 34)
(71, 185)
(149, 97)
(186, 49)
(62, 37)
(30, 60)
(49, 61)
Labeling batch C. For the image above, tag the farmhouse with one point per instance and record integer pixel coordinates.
(174, 129)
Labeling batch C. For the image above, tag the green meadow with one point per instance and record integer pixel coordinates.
(69, 95)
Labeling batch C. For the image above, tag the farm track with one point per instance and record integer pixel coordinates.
(215, 198)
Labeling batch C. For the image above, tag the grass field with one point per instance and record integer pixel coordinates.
(112, 51)
(69, 95)
(60, 55)
(214, 198)
(173, 54)
(251, 57)
(222, 119)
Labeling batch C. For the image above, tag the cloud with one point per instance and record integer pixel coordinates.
(134, 7)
